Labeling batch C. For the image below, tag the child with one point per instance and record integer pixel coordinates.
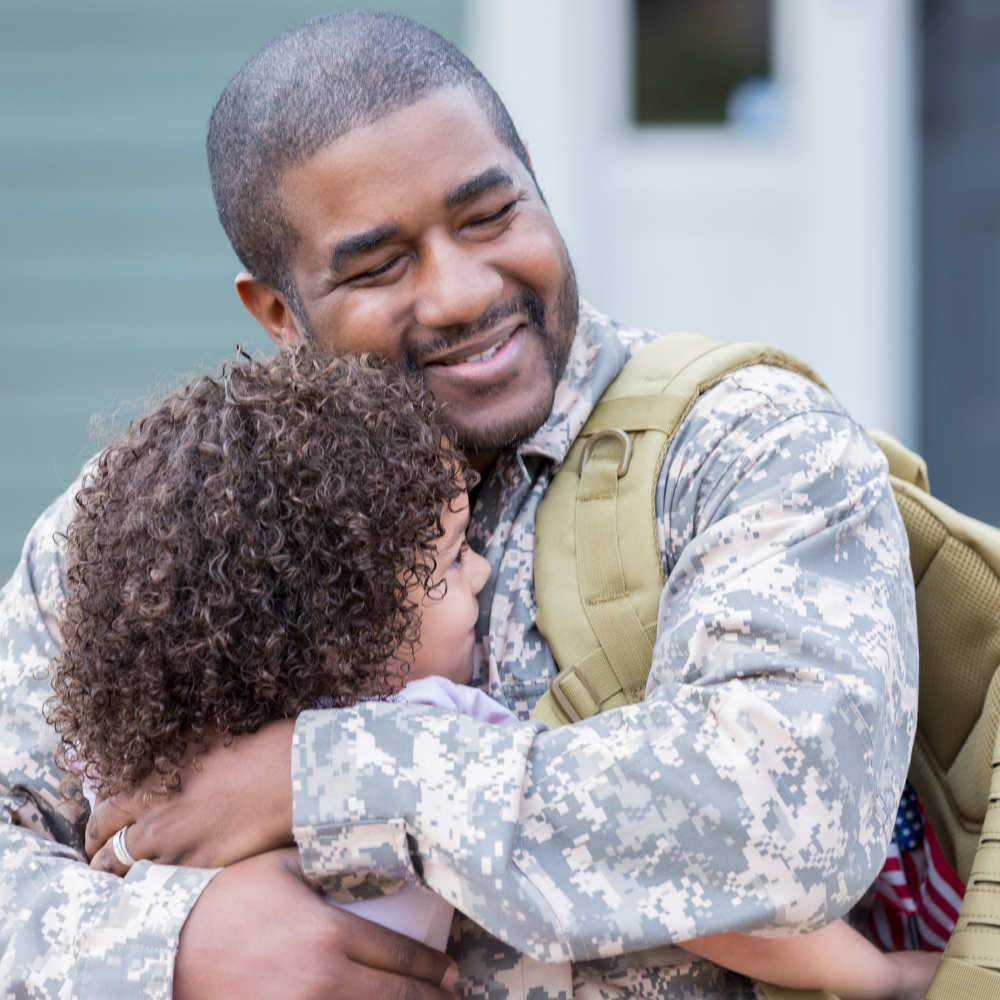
(289, 534)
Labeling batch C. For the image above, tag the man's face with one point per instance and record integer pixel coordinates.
(422, 237)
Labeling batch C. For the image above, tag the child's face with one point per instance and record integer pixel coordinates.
(447, 622)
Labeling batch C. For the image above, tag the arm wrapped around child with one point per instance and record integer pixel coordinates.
(289, 534)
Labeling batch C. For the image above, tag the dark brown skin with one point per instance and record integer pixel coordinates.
(259, 932)
(216, 819)
(451, 281)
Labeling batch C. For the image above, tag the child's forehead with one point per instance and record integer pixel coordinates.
(455, 516)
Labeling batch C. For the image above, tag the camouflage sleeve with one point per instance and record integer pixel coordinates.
(753, 790)
(65, 929)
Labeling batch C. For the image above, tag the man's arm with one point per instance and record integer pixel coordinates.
(755, 786)
(836, 958)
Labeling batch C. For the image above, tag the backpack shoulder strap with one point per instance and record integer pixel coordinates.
(598, 575)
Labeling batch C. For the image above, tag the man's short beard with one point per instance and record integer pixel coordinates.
(557, 342)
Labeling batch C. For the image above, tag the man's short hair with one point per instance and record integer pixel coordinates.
(302, 91)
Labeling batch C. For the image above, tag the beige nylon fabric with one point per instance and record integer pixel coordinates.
(602, 579)
(784, 993)
(903, 463)
(598, 576)
(976, 938)
(956, 758)
(957, 980)
(969, 775)
(956, 570)
(959, 644)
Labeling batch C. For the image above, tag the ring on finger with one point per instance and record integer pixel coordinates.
(120, 848)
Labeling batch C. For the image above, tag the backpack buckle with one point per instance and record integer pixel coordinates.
(560, 696)
(610, 432)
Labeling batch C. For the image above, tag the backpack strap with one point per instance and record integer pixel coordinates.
(786, 993)
(971, 963)
(598, 574)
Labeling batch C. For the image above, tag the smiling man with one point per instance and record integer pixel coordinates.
(380, 199)
(449, 263)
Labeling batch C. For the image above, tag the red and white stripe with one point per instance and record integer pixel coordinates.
(917, 898)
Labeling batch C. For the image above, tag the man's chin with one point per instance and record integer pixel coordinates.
(501, 424)
(491, 418)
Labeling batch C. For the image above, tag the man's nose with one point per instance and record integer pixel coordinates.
(455, 285)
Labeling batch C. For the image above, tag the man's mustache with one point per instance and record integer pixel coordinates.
(527, 303)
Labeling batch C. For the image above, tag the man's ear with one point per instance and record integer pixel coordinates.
(270, 308)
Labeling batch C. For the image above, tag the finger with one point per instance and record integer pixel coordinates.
(380, 948)
(380, 985)
(106, 819)
(105, 860)
(289, 859)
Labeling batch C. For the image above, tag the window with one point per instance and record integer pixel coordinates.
(703, 61)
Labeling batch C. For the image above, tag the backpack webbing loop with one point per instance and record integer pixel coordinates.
(612, 432)
(578, 675)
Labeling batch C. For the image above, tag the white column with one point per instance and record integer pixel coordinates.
(561, 68)
(851, 81)
(805, 239)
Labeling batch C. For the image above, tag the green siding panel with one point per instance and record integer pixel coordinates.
(115, 276)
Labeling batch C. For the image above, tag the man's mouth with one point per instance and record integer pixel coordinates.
(485, 366)
(474, 359)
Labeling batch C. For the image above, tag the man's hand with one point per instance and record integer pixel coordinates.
(257, 931)
(235, 802)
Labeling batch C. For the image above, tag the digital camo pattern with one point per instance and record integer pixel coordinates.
(491, 970)
(65, 930)
(754, 789)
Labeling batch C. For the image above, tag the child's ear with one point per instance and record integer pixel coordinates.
(270, 308)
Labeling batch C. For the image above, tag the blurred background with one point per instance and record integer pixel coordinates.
(820, 174)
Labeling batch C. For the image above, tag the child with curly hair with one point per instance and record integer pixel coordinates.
(288, 534)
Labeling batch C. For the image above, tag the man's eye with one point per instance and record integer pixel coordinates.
(375, 272)
(460, 557)
(495, 217)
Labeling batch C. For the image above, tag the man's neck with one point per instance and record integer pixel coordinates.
(481, 460)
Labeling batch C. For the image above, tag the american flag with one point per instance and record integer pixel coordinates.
(917, 893)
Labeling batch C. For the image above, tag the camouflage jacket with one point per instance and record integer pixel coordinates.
(753, 790)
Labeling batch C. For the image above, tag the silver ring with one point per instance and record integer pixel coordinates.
(120, 848)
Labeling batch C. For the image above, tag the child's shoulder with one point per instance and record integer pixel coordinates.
(439, 692)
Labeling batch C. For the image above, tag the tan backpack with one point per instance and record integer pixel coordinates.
(598, 580)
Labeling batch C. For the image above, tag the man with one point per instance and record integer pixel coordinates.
(380, 198)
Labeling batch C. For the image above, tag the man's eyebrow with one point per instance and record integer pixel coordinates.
(362, 243)
(488, 180)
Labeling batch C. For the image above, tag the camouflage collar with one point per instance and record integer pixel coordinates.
(599, 351)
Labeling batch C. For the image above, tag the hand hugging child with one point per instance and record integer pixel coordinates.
(290, 534)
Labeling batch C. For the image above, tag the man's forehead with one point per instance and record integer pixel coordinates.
(423, 152)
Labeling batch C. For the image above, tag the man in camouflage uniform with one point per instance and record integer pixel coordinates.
(755, 788)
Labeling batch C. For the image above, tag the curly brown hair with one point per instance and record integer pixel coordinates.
(243, 552)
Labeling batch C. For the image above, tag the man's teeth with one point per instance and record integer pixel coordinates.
(485, 356)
